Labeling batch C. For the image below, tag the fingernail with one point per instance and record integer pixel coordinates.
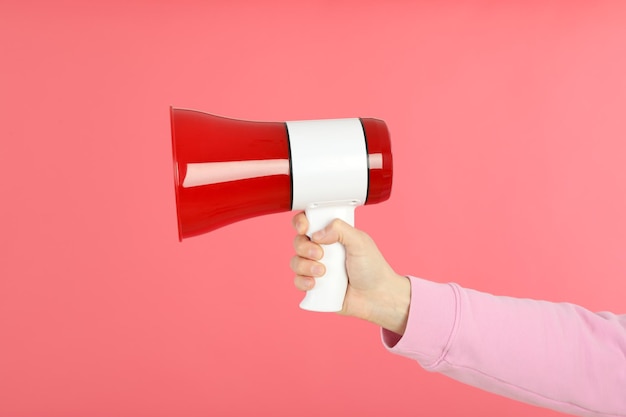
(317, 270)
(315, 253)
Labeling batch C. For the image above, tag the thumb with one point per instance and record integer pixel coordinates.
(338, 231)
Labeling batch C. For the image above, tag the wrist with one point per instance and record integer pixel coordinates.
(389, 305)
(394, 307)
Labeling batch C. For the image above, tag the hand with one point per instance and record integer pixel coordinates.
(375, 292)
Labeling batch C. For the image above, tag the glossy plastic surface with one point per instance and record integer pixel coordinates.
(205, 140)
(379, 144)
(227, 170)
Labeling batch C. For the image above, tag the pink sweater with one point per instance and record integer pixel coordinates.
(553, 355)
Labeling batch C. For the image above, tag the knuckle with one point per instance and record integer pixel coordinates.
(300, 266)
(336, 224)
(299, 222)
(297, 242)
(294, 263)
(301, 245)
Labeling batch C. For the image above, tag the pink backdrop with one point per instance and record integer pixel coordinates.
(508, 129)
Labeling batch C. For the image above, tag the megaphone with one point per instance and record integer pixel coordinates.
(227, 170)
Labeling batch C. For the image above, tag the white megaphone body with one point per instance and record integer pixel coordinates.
(227, 170)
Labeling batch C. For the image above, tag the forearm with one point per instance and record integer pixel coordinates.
(558, 356)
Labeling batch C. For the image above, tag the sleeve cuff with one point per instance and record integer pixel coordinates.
(431, 325)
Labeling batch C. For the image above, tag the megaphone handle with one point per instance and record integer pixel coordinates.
(330, 289)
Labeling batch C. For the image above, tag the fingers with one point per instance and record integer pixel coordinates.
(336, 231)
(306, 270)
(304, 283)
(300, 223)
(339, 231)
(305, 264)
(307, 249)
(306, 267)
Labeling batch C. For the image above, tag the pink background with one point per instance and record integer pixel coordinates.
(508, 129)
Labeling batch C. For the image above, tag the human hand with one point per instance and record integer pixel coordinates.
(375, 292)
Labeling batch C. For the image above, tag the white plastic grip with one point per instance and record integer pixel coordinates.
(330, 289)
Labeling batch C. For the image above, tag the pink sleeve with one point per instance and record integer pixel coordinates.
(553, 355)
